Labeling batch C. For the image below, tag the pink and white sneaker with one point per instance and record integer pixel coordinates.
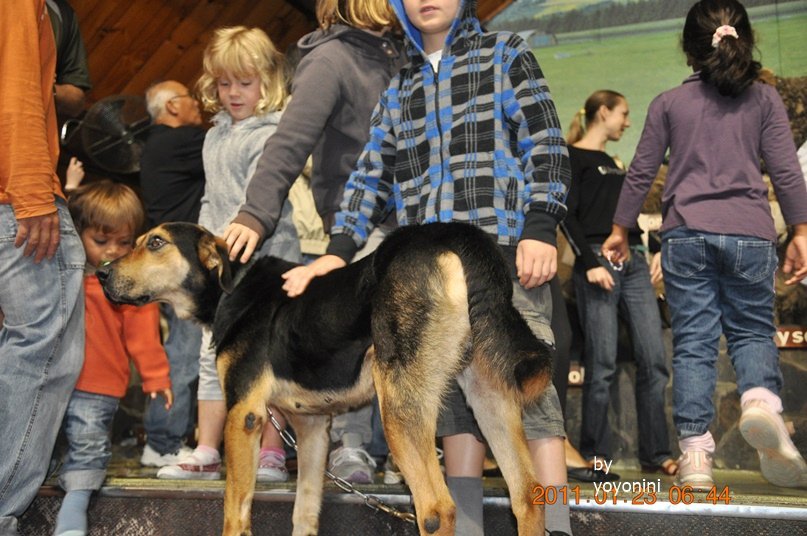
(272, 468)
(695, 470)
(779, 460)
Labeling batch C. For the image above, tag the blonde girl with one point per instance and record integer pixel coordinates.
(243, 85)
(345, 65)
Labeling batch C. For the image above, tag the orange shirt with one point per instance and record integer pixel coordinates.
(29, 141)
(115, 334)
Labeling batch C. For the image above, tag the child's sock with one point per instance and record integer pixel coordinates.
(761, 393)
(701, 443)
(208, 454)
(276, 451)
(72, 518)
(556, 517)
(467, 494)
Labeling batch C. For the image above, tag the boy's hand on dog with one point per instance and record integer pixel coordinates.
(297, 279)
(240, 237)
(167, 394)
(536, 263)
(796, 255)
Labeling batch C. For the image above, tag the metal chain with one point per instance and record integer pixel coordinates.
(369, 500)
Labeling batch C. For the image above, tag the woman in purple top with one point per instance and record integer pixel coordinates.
(718, 238)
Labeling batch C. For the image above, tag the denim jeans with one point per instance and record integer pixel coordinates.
(41, 353)
(718, 283)
(87, 426)
(165, 429)
(633, 299)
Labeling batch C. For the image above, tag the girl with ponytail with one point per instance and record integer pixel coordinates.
(718, 239)
(604, 290)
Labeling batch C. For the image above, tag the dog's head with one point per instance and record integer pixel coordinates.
(177, 263)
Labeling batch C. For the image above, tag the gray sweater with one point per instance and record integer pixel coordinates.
(230, 154)
(337, 84)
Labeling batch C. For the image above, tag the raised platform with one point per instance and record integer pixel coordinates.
(134, 503)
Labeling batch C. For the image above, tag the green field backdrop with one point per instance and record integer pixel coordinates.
(643, 60)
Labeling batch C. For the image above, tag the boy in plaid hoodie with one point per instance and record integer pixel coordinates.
(467, 131)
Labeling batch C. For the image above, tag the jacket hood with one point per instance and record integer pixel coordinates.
(362, 39)
(465, 23)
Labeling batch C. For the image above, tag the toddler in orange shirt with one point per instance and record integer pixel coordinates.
(107, 216)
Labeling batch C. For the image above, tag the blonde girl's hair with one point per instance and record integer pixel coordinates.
(586, 115)
(242, 52)
(108, 206)
(374, 15)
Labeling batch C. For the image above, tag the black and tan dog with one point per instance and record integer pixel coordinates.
(438, 298)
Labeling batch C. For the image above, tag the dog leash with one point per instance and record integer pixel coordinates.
(370, 501)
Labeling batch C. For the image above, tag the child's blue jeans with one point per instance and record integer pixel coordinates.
(718, 284)
(87, 425)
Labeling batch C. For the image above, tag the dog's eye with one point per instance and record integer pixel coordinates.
(155, 242)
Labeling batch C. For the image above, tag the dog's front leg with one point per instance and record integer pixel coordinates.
(312, 453)
(242, 437)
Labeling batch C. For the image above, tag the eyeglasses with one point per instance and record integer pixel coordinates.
(181, 96)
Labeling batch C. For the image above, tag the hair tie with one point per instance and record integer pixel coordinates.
(722, 32)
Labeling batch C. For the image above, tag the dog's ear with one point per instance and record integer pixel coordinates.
(213, 256)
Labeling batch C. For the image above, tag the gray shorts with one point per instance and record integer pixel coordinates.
(541, 419)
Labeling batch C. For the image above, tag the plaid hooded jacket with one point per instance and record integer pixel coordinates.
(478, 142)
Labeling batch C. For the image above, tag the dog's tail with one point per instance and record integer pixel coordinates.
(503, 343)
(503, 346)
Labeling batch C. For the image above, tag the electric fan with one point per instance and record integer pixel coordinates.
(112, 133)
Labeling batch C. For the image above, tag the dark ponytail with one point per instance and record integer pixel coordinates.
(730, 64)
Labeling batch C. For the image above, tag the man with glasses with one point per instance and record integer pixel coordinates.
(172, 181)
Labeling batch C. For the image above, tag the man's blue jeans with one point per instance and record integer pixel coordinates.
(41, 353)
(87, 426)
(718, 284)
(633, 299)
(165, 429)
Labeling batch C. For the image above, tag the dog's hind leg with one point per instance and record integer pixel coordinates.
(409, 415)
(497, 410)
(312, 453)
(242, 437)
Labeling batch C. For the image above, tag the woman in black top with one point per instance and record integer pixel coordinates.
(607, 292)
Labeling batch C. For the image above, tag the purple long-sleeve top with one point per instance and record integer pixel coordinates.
(714, 182)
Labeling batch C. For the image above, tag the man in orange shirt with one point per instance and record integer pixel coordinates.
(41, 259)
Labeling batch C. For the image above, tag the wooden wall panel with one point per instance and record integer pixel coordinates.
(133, 43)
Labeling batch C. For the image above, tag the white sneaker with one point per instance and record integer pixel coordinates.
(352, 464)
(272, 468)
(779, 459)
(152, 458)
(196, 466)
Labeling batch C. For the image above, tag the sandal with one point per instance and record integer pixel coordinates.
(668, 467)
